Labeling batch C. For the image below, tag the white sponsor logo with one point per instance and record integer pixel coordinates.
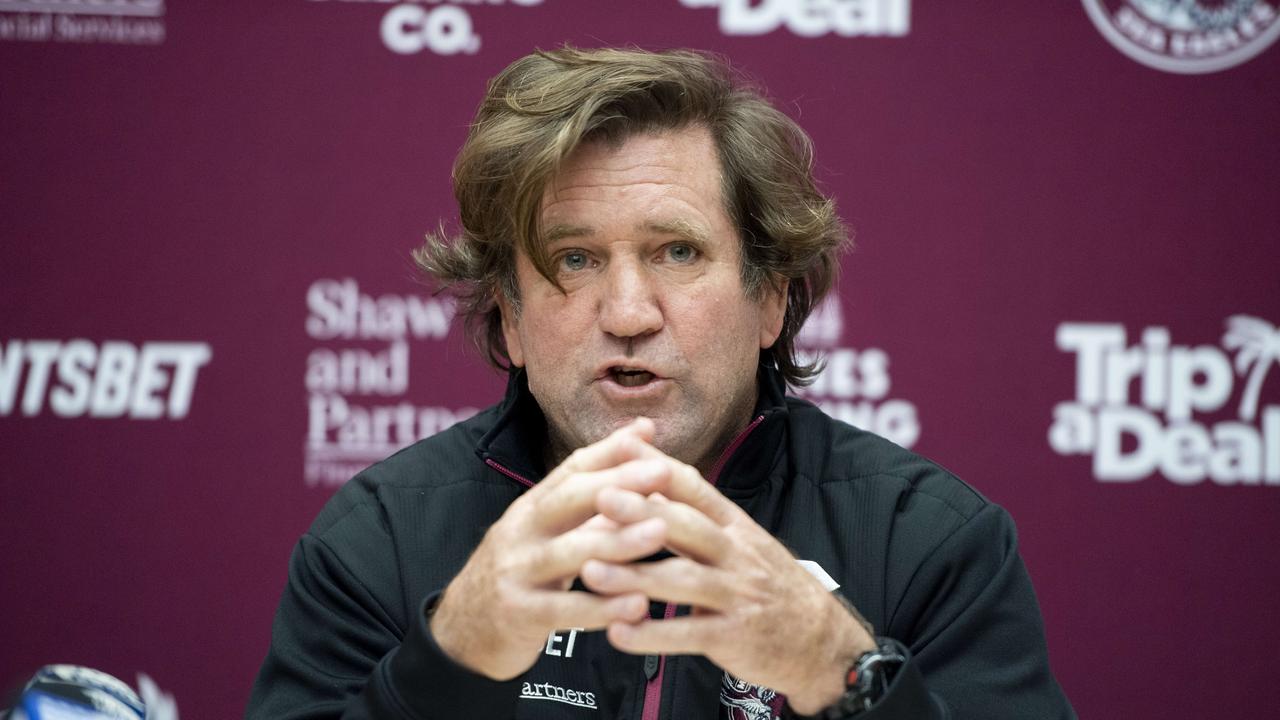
(811, 18)
(547, 691)
(854, 384)
(121, 22)
(115, 379)
(1173, 385)
(1187, 36)
(356, 411)
(442, 26)
(561, 645)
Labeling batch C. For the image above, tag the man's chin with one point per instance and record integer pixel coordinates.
(678, 442)
(663, 435)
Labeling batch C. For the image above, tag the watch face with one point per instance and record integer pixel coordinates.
(868, 679)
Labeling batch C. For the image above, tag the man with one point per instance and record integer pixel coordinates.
(646, 527)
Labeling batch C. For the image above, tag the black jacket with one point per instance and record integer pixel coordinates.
(924, 557)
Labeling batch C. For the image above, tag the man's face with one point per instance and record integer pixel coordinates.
(654, 319)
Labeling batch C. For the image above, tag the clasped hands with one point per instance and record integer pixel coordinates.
(755, 611)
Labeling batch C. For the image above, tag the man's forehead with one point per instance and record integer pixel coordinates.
(684, 156)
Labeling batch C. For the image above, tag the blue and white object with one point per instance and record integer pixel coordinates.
(71, 692)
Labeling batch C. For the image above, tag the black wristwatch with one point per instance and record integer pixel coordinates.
(868, 679)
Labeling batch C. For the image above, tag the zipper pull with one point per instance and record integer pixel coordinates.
(650, 666)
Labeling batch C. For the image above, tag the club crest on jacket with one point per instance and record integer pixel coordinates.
(745, 701)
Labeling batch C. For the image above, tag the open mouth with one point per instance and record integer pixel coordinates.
(630, 377)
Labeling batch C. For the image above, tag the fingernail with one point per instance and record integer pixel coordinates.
(650, 529)
(624, 503)
(619, 632)
(653, 468)
(638, 607)
(601, 572)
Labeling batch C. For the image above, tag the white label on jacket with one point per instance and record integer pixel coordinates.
(828, 583)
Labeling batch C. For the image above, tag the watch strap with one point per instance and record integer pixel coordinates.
(868, 679)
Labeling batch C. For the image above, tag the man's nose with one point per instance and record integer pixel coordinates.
(629, 301)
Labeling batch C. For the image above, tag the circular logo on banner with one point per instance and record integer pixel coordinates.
(1187, 36)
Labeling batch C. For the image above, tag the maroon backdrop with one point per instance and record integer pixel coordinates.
(1064, 289)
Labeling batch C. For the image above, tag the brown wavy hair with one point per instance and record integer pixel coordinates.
(544, 105)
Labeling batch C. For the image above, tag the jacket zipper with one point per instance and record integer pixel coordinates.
(733, 447)
(514, 476)
(653, 687)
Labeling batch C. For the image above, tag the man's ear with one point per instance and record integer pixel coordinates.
(510, 329)
(773, 309)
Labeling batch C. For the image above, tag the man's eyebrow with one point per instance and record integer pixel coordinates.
(676, 226)
(679, 227)
(561, 231)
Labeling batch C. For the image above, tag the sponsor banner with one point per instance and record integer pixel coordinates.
(1187, 36)
(357, 382)
(811, 18)
(112, 379)
(443, 27)
(1158, 408)
(854, 383)
(120, 22)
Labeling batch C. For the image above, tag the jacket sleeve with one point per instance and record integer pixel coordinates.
(339, 650)
(970, 619)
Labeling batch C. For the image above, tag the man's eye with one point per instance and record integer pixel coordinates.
(573, 261)
(681, 253)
